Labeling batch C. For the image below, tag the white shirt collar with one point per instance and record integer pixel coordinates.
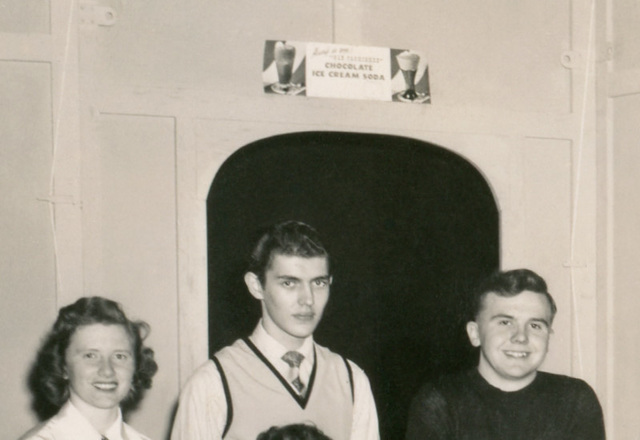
(273, 351)
(115, 431)
(73, 424)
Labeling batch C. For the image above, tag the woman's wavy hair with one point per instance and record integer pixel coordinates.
(48, 380)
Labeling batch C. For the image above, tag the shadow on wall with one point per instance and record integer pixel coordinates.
(410, 226)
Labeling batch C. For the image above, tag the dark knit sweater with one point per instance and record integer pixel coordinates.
(466, 407)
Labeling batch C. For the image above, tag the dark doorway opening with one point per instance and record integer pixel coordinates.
(411, 227)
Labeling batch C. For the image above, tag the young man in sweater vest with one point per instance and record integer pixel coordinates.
(506, 397)
(278, 375)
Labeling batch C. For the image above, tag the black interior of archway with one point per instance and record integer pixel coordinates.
(410, 226)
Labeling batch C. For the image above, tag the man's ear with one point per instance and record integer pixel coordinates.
(473, 333)
(254, 285)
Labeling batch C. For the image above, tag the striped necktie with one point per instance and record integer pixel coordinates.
(294, 359)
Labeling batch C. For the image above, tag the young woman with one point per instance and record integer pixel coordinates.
(92, 363)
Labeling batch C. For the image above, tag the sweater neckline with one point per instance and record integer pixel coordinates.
(485, 386)
(302, 400)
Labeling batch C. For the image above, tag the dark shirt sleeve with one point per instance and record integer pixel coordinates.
(588, 421)
(428, 416)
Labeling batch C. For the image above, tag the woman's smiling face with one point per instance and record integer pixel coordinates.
(99, 365)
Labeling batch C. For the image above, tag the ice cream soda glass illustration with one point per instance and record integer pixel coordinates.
(284, 55)
(408, 62)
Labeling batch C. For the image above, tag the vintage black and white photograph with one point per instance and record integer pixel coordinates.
(320, 220)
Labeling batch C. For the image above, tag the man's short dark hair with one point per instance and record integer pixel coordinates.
(297, 431)
(511, 283)
(291, 238)
(48, 380)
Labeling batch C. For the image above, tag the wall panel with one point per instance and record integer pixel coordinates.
(483, 55)
(221, 42)
(25, 16)
(130, 241)
(28, 257)
(626, 277)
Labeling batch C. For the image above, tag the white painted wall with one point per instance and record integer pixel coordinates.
(622, 159)
(125, 126)
(28, 259)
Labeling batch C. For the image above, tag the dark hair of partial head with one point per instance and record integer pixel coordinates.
(511, 283)
(47, 379)
(291, 238)
(299, 431)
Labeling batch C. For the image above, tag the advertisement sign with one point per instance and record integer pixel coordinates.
(342, 71)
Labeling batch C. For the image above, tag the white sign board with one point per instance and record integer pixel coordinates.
(342, 71)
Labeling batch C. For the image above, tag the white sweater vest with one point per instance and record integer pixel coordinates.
(259, 397)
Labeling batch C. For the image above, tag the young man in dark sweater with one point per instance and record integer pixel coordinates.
(506, 397)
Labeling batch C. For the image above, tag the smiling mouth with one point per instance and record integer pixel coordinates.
(106, 386)
(517, 354)
(304, 316)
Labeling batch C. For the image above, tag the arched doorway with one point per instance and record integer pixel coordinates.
(410, 225)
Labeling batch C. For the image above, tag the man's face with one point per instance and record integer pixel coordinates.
(294, 295)
(513, 336)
